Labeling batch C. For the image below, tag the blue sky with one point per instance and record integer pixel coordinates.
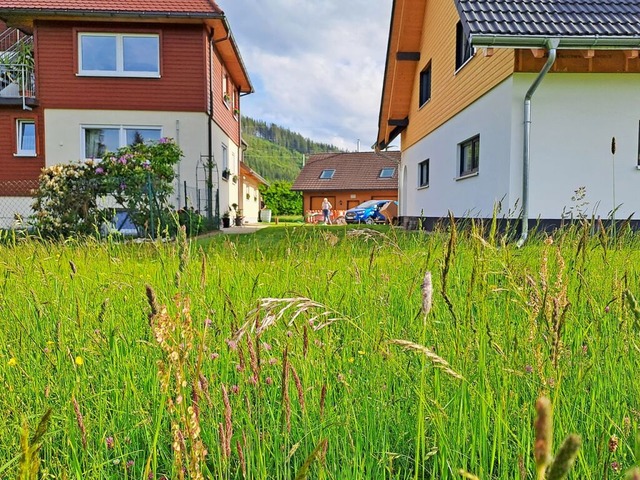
(316, 66)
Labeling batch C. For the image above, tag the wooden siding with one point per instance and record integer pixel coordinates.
(581, 61)
(341, 200)
(223, 113)
(182, 86)
(18, 175)
(451, 91)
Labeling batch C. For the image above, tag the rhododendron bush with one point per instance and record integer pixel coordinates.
(138, 178)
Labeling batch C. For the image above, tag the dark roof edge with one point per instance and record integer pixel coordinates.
(384, 83)
(592, 42)
(111, 13)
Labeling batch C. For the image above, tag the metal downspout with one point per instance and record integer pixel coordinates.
(552, 46)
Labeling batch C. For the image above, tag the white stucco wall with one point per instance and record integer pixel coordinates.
(574, 117)
(475, 196)
(63, 141)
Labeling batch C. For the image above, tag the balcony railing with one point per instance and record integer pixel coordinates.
(17, 82)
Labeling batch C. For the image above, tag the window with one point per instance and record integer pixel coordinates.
(425, 85)
(99, 140)
(469, 156)
(125, 55)
(464, 50)
(423, 173)
(225, 159)
(26, 138)
(327, 174)
(387, 172)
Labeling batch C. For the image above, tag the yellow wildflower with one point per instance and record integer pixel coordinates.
(12, 362)
(79, 360)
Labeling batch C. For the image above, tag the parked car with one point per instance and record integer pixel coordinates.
(367, 212)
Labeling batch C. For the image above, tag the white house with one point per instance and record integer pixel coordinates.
(514, 104)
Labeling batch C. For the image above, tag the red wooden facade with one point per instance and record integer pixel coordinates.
(184, 84)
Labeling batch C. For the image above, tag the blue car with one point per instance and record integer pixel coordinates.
(367, 212)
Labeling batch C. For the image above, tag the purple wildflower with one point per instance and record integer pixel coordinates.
(109, 442)
(99, 170)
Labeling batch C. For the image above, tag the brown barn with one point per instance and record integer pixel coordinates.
(346, 180)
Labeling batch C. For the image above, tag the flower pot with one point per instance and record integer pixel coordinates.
(238, 221)
(226, 222)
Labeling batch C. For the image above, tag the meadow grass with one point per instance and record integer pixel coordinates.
(308, 352)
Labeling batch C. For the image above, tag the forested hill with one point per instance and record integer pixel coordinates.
(276, 153)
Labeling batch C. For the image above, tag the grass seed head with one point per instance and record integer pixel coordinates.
(565, 458)
(543, 427)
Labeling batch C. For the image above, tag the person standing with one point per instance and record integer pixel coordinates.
(326, 210)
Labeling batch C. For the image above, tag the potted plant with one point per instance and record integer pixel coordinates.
(239, 218)
(226, 219)
(226, 173)
(235, 179)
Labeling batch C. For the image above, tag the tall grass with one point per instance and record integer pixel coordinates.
(310, 353)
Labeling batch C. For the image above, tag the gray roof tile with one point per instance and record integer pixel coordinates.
(609, 18)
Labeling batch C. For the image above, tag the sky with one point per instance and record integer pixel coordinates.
(316, 66)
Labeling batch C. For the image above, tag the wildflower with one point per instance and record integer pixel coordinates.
(615, 466)
(606, 309)
(584, 349)
(528, 368)
(208, 322)
(99, 170)
(235, 389)
(266, 346)
(12, 362)
(214, 355)
(232, 344)
(109, 443)
(613, 443)
(129, 464)
(351, 359)
(273, 361)
(269, 381)
(79, 360)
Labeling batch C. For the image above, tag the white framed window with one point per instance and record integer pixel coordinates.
(119, 55)
(26, 144)
(423, 174)
(469, 156)
(225, 158)
(99, 139)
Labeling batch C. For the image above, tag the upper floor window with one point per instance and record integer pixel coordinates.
(327, 174)
(425, 85)
(469, 156)
(117, 54)
(225, 158)
(464, 49)
(423, 173)
(26, 138)
(99, 140)
(387, 172)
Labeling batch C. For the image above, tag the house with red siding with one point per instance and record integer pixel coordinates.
(107, 73)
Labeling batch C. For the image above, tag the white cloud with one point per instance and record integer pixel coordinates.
(317, 66)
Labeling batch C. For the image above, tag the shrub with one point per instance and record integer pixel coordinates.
(138, 178)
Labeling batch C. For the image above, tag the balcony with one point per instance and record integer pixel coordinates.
(17, 85)
(17, 78)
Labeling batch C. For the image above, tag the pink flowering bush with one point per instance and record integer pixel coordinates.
(138, 178)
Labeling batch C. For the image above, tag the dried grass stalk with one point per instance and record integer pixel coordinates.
(439, 362)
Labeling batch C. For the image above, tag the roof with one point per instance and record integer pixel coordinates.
(405, 38)
(353, 171)
(142, 7)
(248, 171)
(573, 20)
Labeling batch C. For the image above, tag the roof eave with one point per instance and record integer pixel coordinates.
(592, 42)
(13, 12)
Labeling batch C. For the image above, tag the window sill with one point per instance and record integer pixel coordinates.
(638, 167)
(118, 75)
(464, 64)
(424, 104)
(423, 187)
(25, 155)
(466, 175)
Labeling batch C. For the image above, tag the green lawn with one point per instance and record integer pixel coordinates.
(274, 353)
